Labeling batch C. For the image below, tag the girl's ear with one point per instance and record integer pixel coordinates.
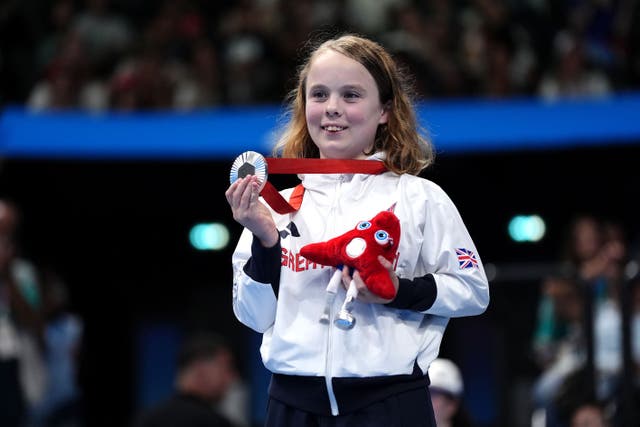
(384, 116)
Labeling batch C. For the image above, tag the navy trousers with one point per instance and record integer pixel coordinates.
(408, 409)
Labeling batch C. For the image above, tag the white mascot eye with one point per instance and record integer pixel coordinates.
(363, 225)
(382, 237)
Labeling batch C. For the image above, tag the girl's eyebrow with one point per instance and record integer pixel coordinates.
(354, 86)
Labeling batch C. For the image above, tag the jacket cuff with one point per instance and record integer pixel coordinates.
(418, 294)
(264, 264)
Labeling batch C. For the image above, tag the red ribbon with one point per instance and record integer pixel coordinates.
(288, 166)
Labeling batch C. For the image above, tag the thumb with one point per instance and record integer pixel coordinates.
(385, 263)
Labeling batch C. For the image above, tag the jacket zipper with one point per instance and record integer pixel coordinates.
(329, 355)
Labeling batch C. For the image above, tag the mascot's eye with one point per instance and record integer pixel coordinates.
(382, 237)
(363, 225)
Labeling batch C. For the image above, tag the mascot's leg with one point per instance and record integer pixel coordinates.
(332, 289)
(345, 319)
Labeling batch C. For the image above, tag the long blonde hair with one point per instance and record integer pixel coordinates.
(407, 148)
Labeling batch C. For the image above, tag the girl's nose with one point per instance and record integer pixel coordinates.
(333, 108)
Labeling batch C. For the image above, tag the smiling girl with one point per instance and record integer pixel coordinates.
(351, 102)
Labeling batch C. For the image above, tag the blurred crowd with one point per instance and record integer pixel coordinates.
(43, 372)
(187, 54)
(40, 338)
(579, 341)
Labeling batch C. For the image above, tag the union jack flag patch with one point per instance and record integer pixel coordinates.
(466, 258)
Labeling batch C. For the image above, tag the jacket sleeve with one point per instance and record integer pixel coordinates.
(254, 298)
(439, 284)
(450, 256)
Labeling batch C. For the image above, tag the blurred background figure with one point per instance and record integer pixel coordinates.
(590, 414)
(106, 33)
(572, 76)
(205, 373)
(447, 387)
(558, 343)
(22, 370)
(61, 402)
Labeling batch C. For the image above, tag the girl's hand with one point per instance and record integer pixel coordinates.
(364, 294)
(249, 212)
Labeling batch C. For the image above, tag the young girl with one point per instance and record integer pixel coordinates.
(351, 103)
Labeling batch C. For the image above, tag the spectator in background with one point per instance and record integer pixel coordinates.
(559, 317)
(590, 414)
(198, 84)
(142, 83)
(205, 372)
(558, 342)
(572, 76)
(447, 387)
(186, 63)
(68, 80)
(60, 405)
(59, 23)
(22, 372)
(247, 55)
(369, 16)
(105, 33)
(425, 48)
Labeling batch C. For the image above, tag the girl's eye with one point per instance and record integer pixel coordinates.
(318, 94)
(363, 225)
(382, 237)
(351, 95)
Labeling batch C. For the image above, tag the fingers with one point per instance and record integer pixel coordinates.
(235, 190)
(246, 196)
(364, 294)
(385, 263)
(362, 288)
(346, 277)
(242, 193)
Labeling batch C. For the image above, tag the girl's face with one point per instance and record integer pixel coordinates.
(343, 108)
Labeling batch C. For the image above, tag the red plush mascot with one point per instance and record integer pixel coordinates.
(359, 249)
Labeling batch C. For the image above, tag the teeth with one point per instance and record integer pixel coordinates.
(333, 128)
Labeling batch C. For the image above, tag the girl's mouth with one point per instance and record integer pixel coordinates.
(333, 128)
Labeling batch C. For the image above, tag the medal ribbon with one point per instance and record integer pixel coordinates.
(289, 166)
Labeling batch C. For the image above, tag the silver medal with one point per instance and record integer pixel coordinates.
(249, 163)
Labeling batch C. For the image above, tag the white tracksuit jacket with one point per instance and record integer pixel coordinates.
(385, 340)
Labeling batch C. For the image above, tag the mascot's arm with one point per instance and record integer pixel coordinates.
(321, 253)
